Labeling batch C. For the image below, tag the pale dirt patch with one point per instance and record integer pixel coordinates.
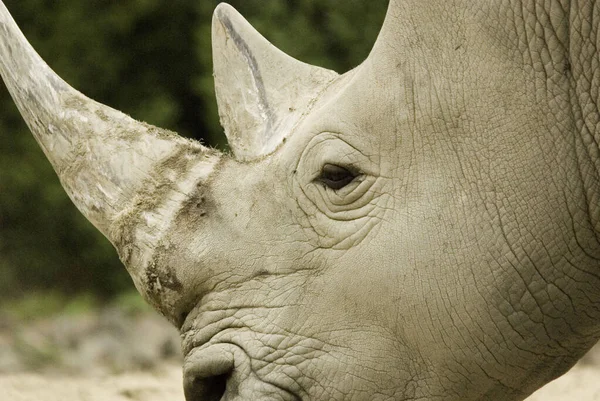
(162, 385)
(582, 383)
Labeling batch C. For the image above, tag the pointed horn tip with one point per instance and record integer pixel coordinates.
(18, 56)
(232, 21)
(225, 10)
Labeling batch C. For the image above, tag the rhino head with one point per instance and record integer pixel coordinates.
(424, 226)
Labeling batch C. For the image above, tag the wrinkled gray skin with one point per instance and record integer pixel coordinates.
(462, 262)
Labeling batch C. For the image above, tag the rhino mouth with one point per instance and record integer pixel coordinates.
(216, 368)
(208, 389)
(205, 376)
(205, 373)
(224, 371)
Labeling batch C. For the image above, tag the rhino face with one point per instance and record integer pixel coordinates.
(308, 216)
(422, 227)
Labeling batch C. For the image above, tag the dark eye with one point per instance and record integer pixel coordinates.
(335, 177)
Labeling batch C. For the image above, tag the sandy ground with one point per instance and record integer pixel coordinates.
(160, 385)
(580, 384)
(110, 355)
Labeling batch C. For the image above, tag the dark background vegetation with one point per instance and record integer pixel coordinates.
(152, 60)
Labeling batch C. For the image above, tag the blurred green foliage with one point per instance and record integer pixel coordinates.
(152, 60)
(52, 303)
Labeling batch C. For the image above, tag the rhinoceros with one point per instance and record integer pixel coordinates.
(425, 226)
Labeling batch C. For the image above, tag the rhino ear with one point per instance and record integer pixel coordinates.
(261, 91)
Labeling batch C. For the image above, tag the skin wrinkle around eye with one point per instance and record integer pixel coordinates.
(368, 166)
(355, 205)
(357, 226)
(351, 193)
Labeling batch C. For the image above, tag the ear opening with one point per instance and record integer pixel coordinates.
(261, 91)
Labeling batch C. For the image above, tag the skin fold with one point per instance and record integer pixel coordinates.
(460, 260)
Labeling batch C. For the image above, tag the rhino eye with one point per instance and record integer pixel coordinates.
(335, 177)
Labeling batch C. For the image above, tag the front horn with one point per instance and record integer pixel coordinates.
(127, 177)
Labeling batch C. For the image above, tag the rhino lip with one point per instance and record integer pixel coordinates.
(210, 389)
(205, 375)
